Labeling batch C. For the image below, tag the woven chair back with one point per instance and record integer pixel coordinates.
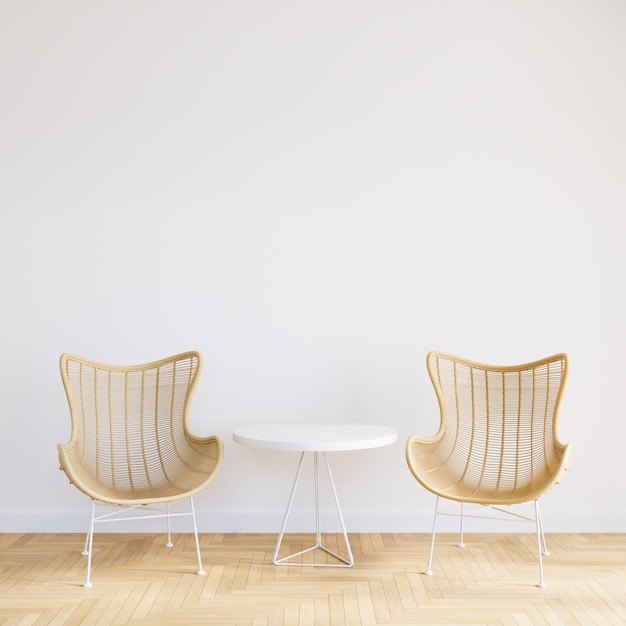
(129, 423)
(499, 423)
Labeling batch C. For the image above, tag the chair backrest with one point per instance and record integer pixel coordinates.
(498, 423)
(129, 423)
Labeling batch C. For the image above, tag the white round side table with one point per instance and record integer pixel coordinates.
(318, 438)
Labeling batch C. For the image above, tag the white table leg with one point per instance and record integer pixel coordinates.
(318, 534)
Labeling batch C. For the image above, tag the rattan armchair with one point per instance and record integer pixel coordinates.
(130, 444)
(497, 442)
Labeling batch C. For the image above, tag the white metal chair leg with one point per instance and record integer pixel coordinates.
(85, 551)
(89, 545)
(461, 544)
(545, 550)
(169, 543)
(429, 571)
(200, 571)
(541, 542)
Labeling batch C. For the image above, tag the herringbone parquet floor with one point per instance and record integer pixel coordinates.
(139, 582)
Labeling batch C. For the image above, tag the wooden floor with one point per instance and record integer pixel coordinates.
(138, 581)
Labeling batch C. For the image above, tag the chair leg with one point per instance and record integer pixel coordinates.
(461, 544)
(169, 543)
(545, 550)
(200, 571)
(429, 571)
(541, 542)
(89, 545)
(85, 551)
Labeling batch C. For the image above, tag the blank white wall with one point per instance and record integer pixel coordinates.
(314, 195)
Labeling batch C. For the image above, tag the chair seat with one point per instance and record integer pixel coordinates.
(181, 480)
(439, 475)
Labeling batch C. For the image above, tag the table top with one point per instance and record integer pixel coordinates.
(315, 437)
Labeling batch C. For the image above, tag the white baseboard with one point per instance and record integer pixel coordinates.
(264, 522)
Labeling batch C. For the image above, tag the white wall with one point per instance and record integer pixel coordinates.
(314, 195)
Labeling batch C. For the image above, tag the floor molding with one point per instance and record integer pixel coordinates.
(268, 522)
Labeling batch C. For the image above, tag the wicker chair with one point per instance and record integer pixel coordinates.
(497, 442)
(130, 444)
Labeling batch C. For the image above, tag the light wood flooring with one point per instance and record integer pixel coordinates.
(138, 581)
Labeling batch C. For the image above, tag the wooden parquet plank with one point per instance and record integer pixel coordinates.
(542, 615)
(392, 595)
(306, 613)
(322, 611)
(128, 609)
(431, 586)
(149, 598)
(404, 591)
(242, 572)
(445, 575)
(467, 568)
(159, 597)
(418, 590)
(337, 610)
(113, 608)
(212, 578)
(377, 542)
(379, 600)
(364, 542)
(68, 614)
(196, 587)
(275, 618)
(292, 615)
(482, 561)
(178, 598)
(366, 606)
(28, 620)
(352, 613)
(226, 581)
(255, 571)
(612, 582)
(9, 539)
